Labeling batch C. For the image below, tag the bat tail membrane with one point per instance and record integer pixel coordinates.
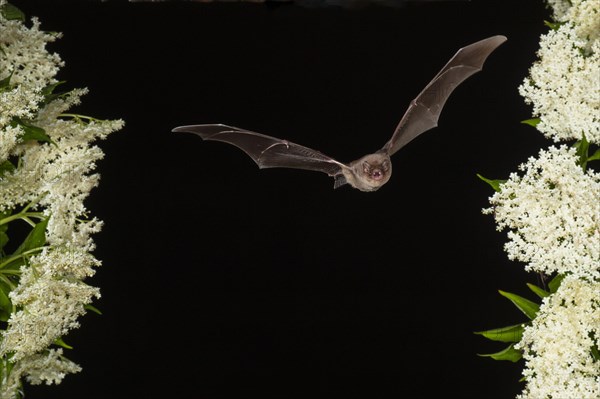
(340, 180)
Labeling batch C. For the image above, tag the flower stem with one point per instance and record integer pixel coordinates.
(80, 117)
(21, 255)
(23, 216)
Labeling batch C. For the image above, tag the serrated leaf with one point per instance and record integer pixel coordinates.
(504, 334)
(555, 283)
(11, 12)
(542, 293)
(509, 353)
(495, 184)
(531, 122)
(526, 306)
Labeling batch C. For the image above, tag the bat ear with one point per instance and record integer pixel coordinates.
(340, 180)
(366, 167)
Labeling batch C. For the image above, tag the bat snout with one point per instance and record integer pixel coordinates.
(377, 174)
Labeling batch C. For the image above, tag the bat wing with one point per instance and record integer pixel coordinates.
(424, 111)
(267, 151)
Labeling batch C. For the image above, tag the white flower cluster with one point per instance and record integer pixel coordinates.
(50, 368)
(31, 67)
(583, 14)
(52, 296)
(557, 347)
(564, 84)
(57, 176)
(553, 211)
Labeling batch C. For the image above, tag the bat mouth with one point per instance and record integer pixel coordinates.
(377, 174)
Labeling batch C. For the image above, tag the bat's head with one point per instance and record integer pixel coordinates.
(374, 170)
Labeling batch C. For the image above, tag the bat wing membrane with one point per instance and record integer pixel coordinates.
(424, 111)
(267, 151)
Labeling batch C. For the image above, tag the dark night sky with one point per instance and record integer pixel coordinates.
(223, 281)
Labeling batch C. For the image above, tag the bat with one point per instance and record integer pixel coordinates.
(371, 171)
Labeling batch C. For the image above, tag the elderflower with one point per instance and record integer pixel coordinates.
(52, 296)
(557, 345)
(553, 214)
(53, 173)
(24, 54)
(584, 15)
(564, 86)
(49, 368)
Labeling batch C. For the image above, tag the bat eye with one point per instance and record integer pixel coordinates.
(366, 167)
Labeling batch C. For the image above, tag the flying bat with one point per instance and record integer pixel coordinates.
(371, 171)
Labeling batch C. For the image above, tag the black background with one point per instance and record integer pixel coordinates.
(223, 281)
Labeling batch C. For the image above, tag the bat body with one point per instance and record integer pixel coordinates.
(371, 171)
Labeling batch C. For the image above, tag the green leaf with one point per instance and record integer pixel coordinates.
(60, 342)
(93, 309)
(555, 283)
(553, 25)
(595, 156)
(32, 132)
(531, 122)
(582, 146)
(542, 293)
(5, 83)
(504, 334)
(15, 264)
(495, 184)
(3, 239)
(11, 12)
(35, 239)
(48, 92)
(595, 352)
(5, 303)
(508, 353)
(526, 306)
(35, 133)
(3, 215)
(6, 167)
